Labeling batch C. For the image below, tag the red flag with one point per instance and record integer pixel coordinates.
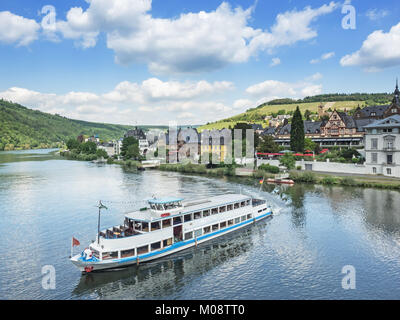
(75, 242)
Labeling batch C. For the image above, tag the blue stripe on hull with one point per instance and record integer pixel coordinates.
(185, 243)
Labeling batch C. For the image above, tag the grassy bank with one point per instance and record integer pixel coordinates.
(353, 181)
(297, 176)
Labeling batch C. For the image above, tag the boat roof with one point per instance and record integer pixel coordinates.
(189, 206)
(165, 200)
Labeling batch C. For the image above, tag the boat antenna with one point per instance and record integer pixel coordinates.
(100, 206)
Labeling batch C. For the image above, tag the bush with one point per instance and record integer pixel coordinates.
(268, 168)
(328, 180)
(348, 181)
(298, 168)
(308, 177)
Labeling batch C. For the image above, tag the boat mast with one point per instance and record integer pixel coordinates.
(100, 206)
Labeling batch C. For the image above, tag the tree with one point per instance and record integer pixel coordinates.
(309, 144)
(72, 144)
(88, 148)
(101, 153)
(268, 145)
(288, 160)
(307, 115)
(130, 148)
(297, 132)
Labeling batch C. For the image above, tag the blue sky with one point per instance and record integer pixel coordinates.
(151, 62)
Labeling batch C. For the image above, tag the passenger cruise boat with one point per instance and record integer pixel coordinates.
(169, 225)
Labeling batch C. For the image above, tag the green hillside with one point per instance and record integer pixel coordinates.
(341, 102)
(23, 128)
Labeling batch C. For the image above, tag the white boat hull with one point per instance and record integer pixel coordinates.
(97, 265)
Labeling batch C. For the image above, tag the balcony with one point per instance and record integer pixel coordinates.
(387, 149)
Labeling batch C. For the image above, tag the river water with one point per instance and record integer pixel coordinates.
(298, 254)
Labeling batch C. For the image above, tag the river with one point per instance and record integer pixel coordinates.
(298, 254)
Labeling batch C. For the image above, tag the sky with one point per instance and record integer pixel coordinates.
(191, 62)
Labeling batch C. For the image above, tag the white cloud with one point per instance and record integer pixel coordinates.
(375, 14)
(275, 62)
(328, 55)
(380, 50)
(314, 77)
(17, 29)
(242, 104)
(151, 101)
(324, 56)
(273, 89)
(192, 42)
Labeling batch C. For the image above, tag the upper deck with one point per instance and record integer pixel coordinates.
(168, 207)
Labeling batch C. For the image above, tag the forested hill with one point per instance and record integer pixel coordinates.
(368, 98)
(23, 128)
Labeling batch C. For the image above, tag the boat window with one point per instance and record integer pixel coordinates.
(197, 215)
(243, 204)
(188, 217)
(153, 206)
(160, 207)
(177, 220)
(127, 253)
(229, 207)
(166, 223)
(142, 250)
(138, 226)
(145, 226)
(207, 229)
(243, 218)
(222, 225)
(214, 211)
(222, 209)
(248, 216)
(110, 255)
(247, 202)
(155, 226)
(215, 227)
(167, 242)
(236, 206)
(230, 222)
(169, 206)
(95, 253)
(237, 220)
(206, 213)
(156, 246)
(198, 233)
(188, 235)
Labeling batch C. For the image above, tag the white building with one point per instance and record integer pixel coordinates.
(108, 147)
(382, 146)
(143, 146)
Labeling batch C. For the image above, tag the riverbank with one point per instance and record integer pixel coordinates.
(295, 175)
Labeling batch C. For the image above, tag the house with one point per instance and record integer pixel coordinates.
(107, 147)
(81, 138)
(382, 146)
(94, 139)
(143, 146)
(381, 111)
(257, 128)
(137, 133)
(216, 142)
